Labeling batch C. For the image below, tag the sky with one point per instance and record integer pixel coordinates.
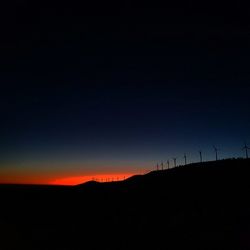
(105, 90)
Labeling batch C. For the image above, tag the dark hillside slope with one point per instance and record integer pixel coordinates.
(199, 206)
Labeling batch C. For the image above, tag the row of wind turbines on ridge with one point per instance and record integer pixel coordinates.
(245, 148)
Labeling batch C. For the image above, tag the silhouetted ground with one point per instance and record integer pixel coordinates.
(199, 206)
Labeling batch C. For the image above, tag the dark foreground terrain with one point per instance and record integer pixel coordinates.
(200, 206)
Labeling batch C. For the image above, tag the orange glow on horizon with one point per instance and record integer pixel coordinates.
(74, 180)
(60, 179)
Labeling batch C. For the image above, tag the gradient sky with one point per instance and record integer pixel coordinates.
(98, 89)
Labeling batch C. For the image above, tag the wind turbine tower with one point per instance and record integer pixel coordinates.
(168, 163)
(185, 159)
(216, 153)
(200, 152)
(162, 166)
(246, 150)
(174, 162)
(157, 166)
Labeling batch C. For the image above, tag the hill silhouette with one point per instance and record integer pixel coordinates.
(197, 206)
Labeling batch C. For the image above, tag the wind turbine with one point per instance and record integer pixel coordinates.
(246, 149)
(216, 152)
(168, 163)
(185, 158)
(162, 166)
(200, 152)
(174, 162)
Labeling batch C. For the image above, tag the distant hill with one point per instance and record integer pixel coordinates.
(209, 172)
(198, 206)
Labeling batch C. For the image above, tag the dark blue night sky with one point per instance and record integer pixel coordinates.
(101, 91)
